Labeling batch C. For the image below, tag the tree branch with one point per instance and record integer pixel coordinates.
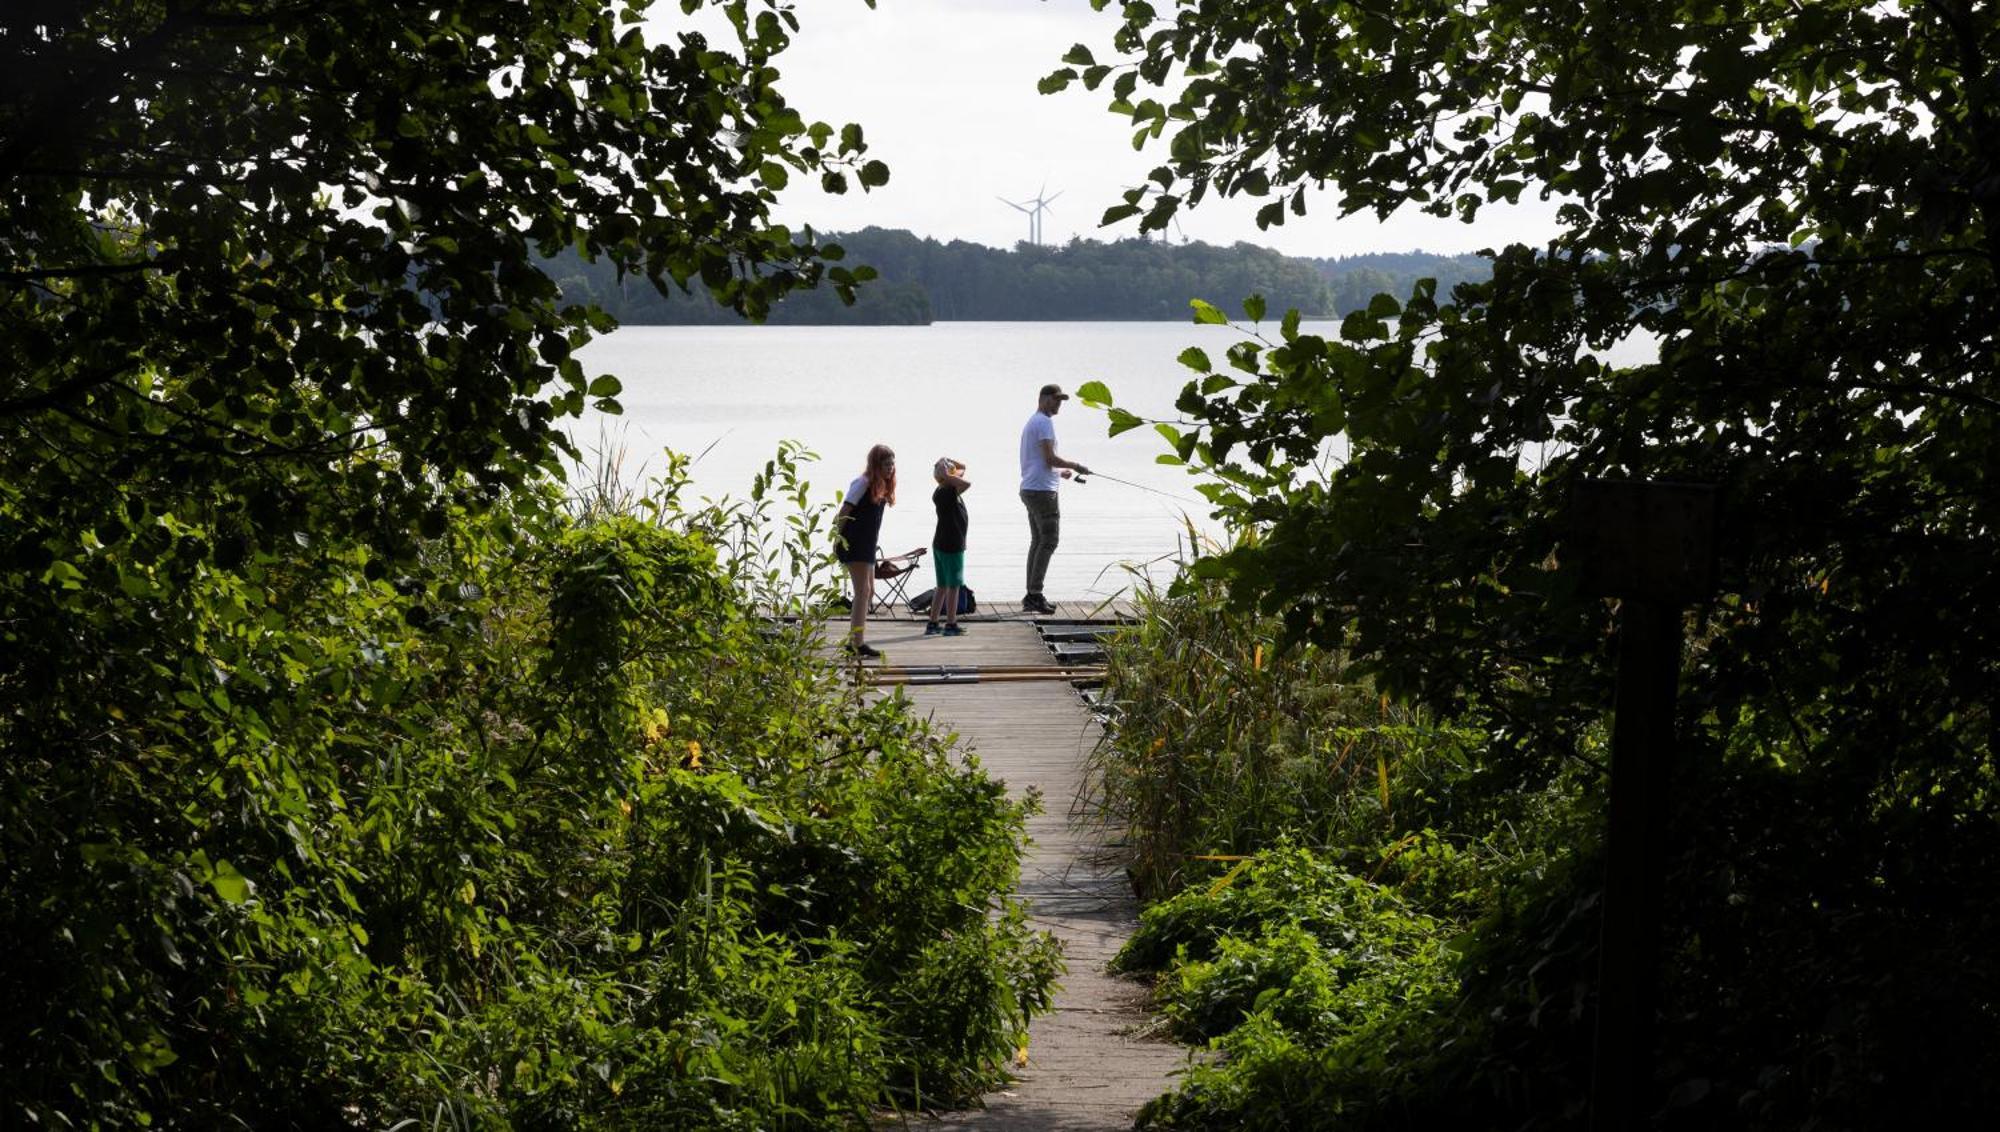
(59, 394)
(88, 270)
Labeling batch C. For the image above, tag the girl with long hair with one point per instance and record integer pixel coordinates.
(857, 529)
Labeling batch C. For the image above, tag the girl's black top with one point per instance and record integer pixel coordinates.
(858, 538)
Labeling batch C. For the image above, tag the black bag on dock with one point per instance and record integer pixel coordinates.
(966, 602)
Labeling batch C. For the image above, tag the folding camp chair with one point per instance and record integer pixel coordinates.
(892, 575)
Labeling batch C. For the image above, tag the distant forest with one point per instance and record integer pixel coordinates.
(924, 280)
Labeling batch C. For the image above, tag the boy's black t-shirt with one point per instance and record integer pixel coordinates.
(952, 519)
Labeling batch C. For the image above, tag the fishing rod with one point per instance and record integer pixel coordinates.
(1081, 670)
(880, 677)
(1140, 486)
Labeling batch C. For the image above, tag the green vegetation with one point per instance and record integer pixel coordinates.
(1352, 902)
(1380, 921)
(632, 301)
(921, 279)
(1356, 280)
(350, 773)
(548, 830)
(1797, 202)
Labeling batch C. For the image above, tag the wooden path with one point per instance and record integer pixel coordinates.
(1087, 1068)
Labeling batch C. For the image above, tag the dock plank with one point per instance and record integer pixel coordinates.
(1088, 1066)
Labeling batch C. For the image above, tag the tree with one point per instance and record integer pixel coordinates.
(249, 239)
(280, 382)
(1800, 203)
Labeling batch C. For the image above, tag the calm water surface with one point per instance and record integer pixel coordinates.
(960, 389)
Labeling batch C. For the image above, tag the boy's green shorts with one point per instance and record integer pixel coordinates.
(950, 567)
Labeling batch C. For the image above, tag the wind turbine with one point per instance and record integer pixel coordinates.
(1034, 230)
(1041, 204)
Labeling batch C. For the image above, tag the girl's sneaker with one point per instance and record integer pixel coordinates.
(953, 631)
(932, 629)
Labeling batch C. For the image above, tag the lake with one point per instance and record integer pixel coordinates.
(959, 389)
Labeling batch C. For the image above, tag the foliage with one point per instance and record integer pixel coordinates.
(1797, 202)
(632, 302)
(350, 775)
(1225, 741)
(1357, 279)
(247, 241)
(1320, 986)
(1392, 936)
(554, 832)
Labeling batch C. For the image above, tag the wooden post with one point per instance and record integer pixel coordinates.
(1651, 545)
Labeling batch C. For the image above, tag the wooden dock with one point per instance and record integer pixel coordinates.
(1088, 1066)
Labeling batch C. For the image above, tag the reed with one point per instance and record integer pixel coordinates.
(1225, 740)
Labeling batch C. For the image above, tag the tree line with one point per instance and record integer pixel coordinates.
(921, 279)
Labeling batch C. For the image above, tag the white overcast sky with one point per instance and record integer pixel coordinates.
(945, 91)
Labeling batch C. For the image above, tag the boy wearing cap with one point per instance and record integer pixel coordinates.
(948, 545)
(1042, 472)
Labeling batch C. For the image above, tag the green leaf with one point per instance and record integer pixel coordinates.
(1195, 359)
(1206, 314)
(229, 884)
(1095, 394)
(1253, 308)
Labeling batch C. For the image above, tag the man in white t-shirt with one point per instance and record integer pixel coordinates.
(1042, 472)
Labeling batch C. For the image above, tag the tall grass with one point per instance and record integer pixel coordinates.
(1326, 871)
(771, 542)
(1225, 741)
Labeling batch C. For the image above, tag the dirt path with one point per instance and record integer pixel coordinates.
(1087, 1068)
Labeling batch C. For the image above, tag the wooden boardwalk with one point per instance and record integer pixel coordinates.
(1087, 1066)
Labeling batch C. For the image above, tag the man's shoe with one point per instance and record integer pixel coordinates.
(932, 629)
(861, 651)
(953, 631)
(1036, 603)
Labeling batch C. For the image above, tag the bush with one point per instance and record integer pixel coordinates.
(549, 827)
(1417, 947)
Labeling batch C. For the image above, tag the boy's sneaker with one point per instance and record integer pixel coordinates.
(953, 631)
(932, 629)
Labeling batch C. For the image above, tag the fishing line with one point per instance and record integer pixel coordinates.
(1080, 478)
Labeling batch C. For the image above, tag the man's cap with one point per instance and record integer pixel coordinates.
(1054, 391)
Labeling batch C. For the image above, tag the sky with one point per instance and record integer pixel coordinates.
(945, 93)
